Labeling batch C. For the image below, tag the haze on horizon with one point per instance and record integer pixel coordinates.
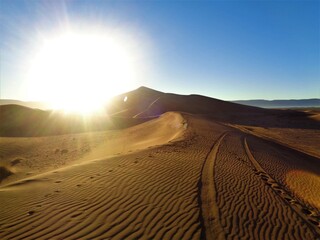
(228, 50)
(166, 158)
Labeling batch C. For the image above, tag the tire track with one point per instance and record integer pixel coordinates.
(248, 208)
(209, 208)
(303, 212)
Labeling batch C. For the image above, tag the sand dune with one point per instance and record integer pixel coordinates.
(303, 140)
(179, 176)
(144, 104)
(23, 157)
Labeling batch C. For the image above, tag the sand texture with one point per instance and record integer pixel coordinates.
(175, 167)
(179, 177)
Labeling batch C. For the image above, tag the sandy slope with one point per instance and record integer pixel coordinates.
(304, 140)
(176, 178)
(24, 157)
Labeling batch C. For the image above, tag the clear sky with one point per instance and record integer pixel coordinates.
(224, 49)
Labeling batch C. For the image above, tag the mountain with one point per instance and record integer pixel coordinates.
(20, 121)
(146, 102)
(141, 105)
(293, 103)
(34, 104)
(147, 94)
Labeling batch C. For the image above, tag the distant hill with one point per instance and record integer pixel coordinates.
(293, 103)
(141, 105)
(147, 94)
(20, 121)
(146, 102)
(39, 105)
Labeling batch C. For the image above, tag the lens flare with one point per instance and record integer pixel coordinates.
(79, 70)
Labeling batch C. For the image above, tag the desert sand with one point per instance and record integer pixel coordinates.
(192, 171)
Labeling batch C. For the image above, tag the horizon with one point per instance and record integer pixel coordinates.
(226, 50)
(160, 119)
(232, 100)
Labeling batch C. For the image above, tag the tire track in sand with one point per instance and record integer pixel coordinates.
(209, 208)
(302, 211)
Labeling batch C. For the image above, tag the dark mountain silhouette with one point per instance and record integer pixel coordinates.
(146, 102)
(18, 120)
(33, 104)
(141, 105)
(293, 103)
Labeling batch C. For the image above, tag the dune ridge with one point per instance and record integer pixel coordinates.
(25, 157)
(155, 193)
(122, 197)
(142, 105)
(182, 175)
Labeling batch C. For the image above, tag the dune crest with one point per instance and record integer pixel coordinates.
(211, 170)
(64, 151)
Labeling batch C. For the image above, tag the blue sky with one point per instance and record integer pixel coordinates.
(223, 49)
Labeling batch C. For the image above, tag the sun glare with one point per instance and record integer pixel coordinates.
(78, 71)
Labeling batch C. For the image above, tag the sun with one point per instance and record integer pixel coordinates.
(77, 71)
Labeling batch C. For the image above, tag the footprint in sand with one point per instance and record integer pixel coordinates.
(306, 211)
(316, 217)
(16, 161)
(31, 212)
(314, 222)
(276, 186)
(280, 191)
(75, 215)
(287, 198)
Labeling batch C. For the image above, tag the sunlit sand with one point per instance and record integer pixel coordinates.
(163, 166)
